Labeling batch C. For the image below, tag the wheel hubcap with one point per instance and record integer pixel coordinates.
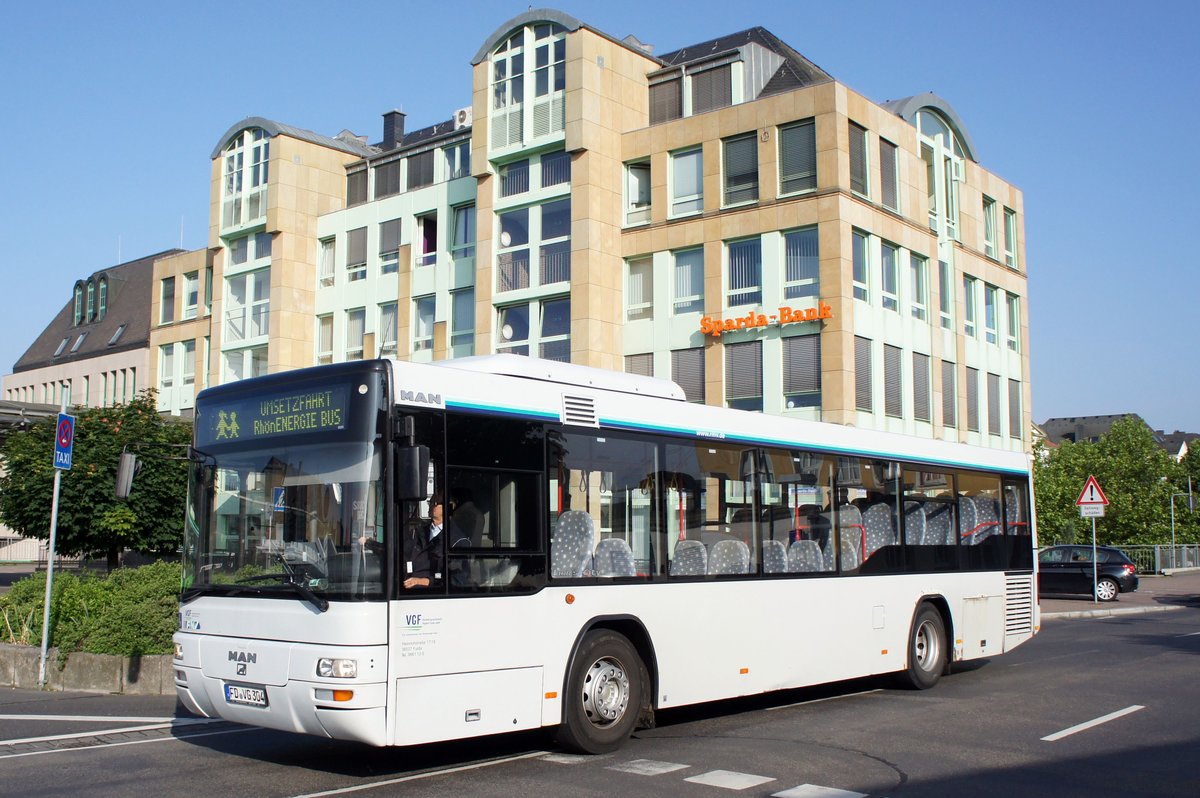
(1105, 590)
(605, 692)
(926, 646)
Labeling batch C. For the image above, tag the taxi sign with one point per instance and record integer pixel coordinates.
(1091, 493)
(64, 442)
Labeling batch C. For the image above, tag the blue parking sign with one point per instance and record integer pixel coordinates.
(64, 442)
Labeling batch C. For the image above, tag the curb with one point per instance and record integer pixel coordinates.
(1107, 613)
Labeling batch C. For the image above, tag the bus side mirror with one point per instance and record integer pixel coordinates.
(412, 470)
(126, 469)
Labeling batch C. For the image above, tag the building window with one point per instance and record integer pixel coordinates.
(513, 330)
(687, 371)
(240, 206)
(462, 322)
(356, 188)
(389, 246)
(743, 376)
(797, 158)
(801, 264)
(946, 295)
(325, 262)
(356, 254)
(458, 160)
(666, 99)
(245, 363)
(356, 327)
(555, 168)
(102, 299)
(512, 259)
(949, 395)
(969, 303)
(642, 365)
(687, 182)
(554, 253)
(1014, 323)
(745, 272)
(191, 295)
(637, 193)
(862, 374)
(166, 296)
(91, 299)
(463, 244)
(802, 371)
(423, 314)
(324, 339)
(918, 286)
(166, 367)
(116, 336)
(861, 261)
(555, 341)
(920, 379)
(991, 314)
(386, 335)
(889, 191)
(79, 341)
(1015, 427)
(858, 159)
(420, 170)
(741, 168)
(549, 60)
(711, 89)
(1010, 237)
(993, 398)
(972, 399)
(247, 309)
(508, 91)
(239, 250)
(893, 382)
(208, 283)
(387, 179)
(61, 346)
(889, 283)
(989, 227)
(78, 315)
(639, 289)
(514, 178)
(189, 363)
(688, 281)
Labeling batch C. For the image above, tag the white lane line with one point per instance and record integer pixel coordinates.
(729, 779)
(127, 742)
(829, 698)
(426, 775)
(1084, 726)
(648, 767)
(118, 730)
(1189, 634)
(92, 718)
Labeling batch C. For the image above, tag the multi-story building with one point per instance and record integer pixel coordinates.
(95, 352)
(726, 215)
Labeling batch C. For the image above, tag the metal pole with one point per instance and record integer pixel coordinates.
(50, 568)
(1095, 575)
(1173, 495)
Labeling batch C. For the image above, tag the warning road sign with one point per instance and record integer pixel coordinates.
(1091, 493)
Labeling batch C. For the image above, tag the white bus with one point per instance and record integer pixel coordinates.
(608, 550)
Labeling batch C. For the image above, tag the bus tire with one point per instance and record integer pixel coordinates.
(927, 652)
(604, 694)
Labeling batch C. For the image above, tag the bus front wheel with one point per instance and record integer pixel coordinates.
(926, 650)
(604, 694)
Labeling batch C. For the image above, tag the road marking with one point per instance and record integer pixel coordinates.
(1189, 634)
(92, 718)
(1085, 726)
(729, 779)
(425, 775)
(829, 698)
(817, 791)
(648, 767)
(127, 742)
(101, 732)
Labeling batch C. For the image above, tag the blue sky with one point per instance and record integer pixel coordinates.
(112, 111)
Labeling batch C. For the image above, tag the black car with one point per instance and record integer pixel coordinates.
(1068, 569)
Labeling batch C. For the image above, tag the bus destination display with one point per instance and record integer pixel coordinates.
(290, 413)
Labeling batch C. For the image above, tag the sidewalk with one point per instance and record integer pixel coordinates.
(1155, 594)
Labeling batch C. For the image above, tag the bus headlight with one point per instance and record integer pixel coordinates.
(337, 668)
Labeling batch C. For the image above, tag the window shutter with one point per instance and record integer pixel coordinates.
(893, 403)
(949, 395)
(356, 188)
(743, 370)
(920, 386)
(798, 158)
(993, 396)
(745, 272)
(858, 158)
(420, 170)
(711, 89)
(802, 364)
(356, 252)
(666, 101)
(1014, 410)
(741, 169)
(689, 281)
(862, 373)
(972, 399)
(687, 370)
(887, 168)
(639, 299)
(389, 236)
(802, 266)
(642, 365)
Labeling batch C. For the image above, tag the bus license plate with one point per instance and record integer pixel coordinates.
(241, 694)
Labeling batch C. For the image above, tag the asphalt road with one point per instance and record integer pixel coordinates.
(1015, 725)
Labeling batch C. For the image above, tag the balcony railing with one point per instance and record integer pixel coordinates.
(555, 263)
(513, 268)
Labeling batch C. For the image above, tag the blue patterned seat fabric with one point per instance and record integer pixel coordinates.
(613, 557)
(774, 557)
(804, 556)
(880, 531)
(691, 559)
(571, 546)
(729, 557)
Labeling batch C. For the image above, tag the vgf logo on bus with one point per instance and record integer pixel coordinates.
(242, 658)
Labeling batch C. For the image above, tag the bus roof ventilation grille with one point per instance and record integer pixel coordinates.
(580, 410)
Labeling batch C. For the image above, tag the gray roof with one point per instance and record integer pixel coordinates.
(1085, 428)
(128, 303)
(343, 143)
(906, 108)
(796, 71)
(14, 415)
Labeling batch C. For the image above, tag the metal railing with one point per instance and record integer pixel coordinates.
(1156, 559)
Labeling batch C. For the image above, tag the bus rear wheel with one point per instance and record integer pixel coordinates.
(926, 650)
(604, 694)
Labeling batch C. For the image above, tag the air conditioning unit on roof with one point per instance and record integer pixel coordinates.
(462, 118)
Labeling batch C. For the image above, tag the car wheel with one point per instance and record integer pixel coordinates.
(604, 694)
(1107, 589)
(926, 650)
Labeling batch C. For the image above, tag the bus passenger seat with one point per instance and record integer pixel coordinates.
(571, 546)
(774, 557)
(804, 556)
(729, 557)
(880, 531)
(914, 523)
(691, 559)
(614, 558)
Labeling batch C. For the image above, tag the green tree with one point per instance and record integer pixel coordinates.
(1137, 476)
(91, 520)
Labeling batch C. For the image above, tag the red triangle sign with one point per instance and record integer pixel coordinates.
(1091, 493)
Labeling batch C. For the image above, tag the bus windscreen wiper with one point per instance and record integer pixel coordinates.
(288, 579)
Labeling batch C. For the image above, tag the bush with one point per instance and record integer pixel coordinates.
(130, 611)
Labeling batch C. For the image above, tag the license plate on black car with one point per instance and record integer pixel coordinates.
(245, 694)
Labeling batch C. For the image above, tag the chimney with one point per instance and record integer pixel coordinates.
(393, 129)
